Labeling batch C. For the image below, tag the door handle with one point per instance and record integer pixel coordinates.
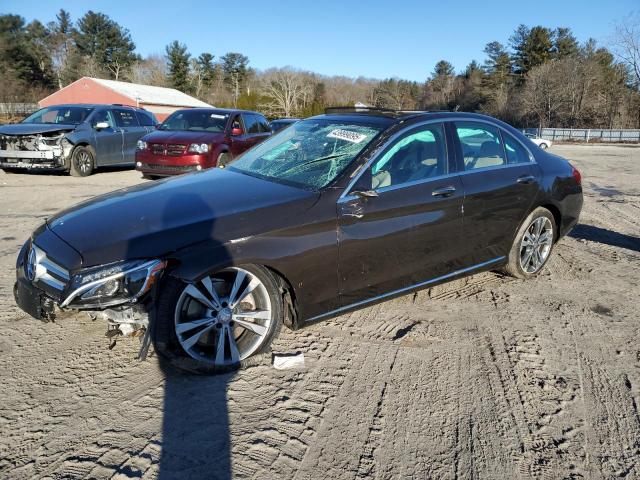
(526, 179)
(444, 192)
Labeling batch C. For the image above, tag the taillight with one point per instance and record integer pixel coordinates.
(577, 175)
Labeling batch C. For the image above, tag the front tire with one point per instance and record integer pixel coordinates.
(83, 161)
(544, 146)
(533, 244)
(224, 321)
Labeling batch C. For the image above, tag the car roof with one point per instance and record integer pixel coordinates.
(94, 105)
(388, 117)
(218, 110)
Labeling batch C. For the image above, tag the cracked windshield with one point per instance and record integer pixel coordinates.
(309, 153)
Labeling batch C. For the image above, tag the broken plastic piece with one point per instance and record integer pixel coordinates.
(283, 362)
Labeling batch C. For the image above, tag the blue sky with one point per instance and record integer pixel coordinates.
(370, 38)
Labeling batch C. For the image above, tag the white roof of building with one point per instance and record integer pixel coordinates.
(148, 94)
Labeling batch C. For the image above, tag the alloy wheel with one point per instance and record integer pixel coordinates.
(536, 245)
(84, 161)
(224, 318)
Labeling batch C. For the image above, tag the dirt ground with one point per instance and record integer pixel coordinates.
(486, 377)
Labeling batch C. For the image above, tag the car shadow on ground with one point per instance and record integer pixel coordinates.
(606, 236)
(195, 427)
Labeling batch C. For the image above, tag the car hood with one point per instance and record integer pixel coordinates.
(171, 136)
(157, 218)
(33, 128)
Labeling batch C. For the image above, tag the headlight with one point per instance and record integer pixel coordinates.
(142, 145)
(198, 148)
(115, 284)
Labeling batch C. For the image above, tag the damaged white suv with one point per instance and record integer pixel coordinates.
(74, 138)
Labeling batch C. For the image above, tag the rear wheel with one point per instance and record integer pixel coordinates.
(82, 162)
(533, 244)
(544, 146)
(219, 323)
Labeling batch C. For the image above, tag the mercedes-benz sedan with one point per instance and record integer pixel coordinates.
(334, 213)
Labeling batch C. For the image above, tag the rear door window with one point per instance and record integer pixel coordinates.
(481, 145)
(125, 118)
(145, 119)
(516, 153)
(251, 124)
(264, 125)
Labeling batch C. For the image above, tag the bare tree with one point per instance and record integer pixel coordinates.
(626, 45)
(150, 71)
(284, 90)
(544, 95)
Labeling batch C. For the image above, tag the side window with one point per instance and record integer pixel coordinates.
(103, 116)
(481, 145)
(237, 123)
(264, 125)
(145, 119)
(418, 155)
(516, 153)
(125, 118)
(251, 123)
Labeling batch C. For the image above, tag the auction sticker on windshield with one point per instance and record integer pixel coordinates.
(347, 135)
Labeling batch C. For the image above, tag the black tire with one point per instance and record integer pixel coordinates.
(83, 161)
(514, 266)
(14, 170)
(223, 160)
(171, 352)
(544, 146)
(150, 177)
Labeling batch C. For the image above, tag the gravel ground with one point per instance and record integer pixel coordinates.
(485, 377)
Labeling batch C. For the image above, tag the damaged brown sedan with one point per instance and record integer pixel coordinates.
(74, 138)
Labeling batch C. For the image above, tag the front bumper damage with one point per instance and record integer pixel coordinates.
(36, 297)
(49, 151)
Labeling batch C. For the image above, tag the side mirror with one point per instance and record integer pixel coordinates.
(236, 131)
(101, 125)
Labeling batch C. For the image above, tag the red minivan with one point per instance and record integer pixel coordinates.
(199, 138)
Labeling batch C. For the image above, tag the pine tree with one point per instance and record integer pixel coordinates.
(234, 66)
(104, 41)
(178, 64)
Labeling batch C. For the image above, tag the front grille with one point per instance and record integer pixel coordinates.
(168, 149)
(41, 268)
(170, 168)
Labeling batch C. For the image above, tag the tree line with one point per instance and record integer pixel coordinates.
(540, 76)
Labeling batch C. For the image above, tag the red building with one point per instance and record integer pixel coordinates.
(159, 100)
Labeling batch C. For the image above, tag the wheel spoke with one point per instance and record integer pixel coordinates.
(233, 347)
(262, 314)
(254, 327)
(240, 276)
(527, 258)
(225, 335)
(545, 237)
(186, 326)
(193, 339)
(527, 241)
(193, 292)
(208, 285)
(250, 288)
(537, 259)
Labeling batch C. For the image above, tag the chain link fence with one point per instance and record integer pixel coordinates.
(586, 134)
